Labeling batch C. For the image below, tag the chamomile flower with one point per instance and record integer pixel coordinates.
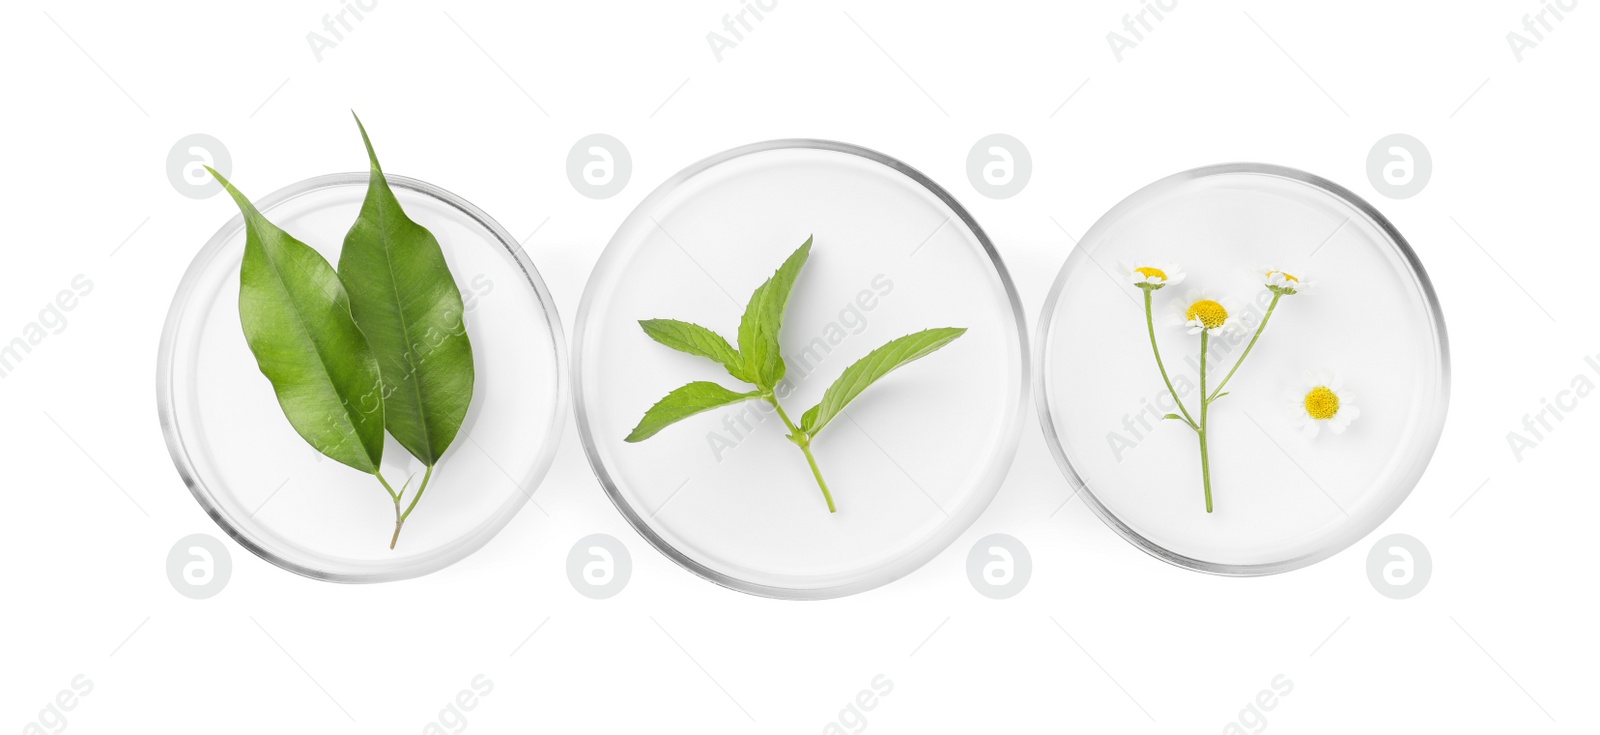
(1201, 311)
(1154, 276)
(1281, 282)
(1322, 400)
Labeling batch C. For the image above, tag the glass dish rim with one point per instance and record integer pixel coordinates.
(586, 305)
(1418, 273)
(166, 406)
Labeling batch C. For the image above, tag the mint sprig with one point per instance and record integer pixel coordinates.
(759, 361)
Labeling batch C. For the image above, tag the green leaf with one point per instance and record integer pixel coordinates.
(869, 369)
(762, 323)
(296, 319)
(681, 404)
(1172, 416)
(406, 302)
(696, 340)
(1219, 395)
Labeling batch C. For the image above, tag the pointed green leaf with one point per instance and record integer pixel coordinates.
(296, 319)
(406, 302)
(1172, 416)
(696, 340)
(869, 369)
(762, 323)
(681, 404)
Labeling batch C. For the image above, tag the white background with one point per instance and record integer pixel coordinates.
(487, 100)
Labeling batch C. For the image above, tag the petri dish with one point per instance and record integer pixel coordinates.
(912, 461)
(1368, 327)
(292, 506)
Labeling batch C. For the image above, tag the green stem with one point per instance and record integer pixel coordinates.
(1205, 459)
(398, 522)
(424, 486)
(399, 517)
(1259, 329)
(817, 473)
(1150, 324)
(803, 440)
(392, 494)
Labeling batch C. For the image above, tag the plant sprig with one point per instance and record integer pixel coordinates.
(1203, 315)
(759, 362)
(379, 344)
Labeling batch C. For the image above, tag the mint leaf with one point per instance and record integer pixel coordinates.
(681, 404)
(408, 305)
(296, 319)
(696, 340)
(870, 369)
(762, 323)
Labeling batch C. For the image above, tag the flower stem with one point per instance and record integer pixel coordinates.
(803, 440)
(1149, 323)
(1259, 329)
(1205, 459)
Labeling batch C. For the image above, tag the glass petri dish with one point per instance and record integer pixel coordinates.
(914, 460)
(292, 506)
(1282, 499)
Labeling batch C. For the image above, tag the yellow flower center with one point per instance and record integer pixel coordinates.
(1285, 275)
(1322, 403)
(1210, 313)
(1151, 273)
